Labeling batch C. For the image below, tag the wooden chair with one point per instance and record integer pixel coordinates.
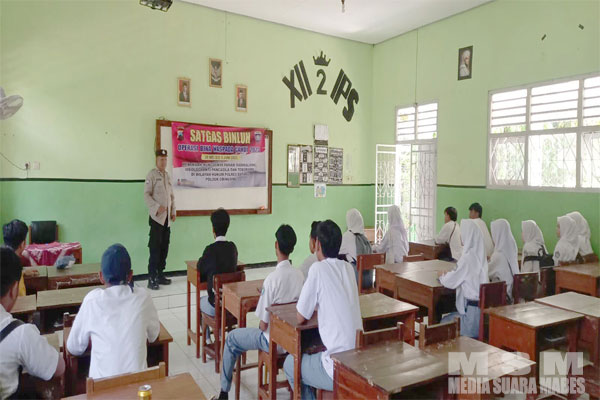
(525, 287)
(214, 323)
(490, 295)
(367, 262)
(73, 364)
(43, 232)
(364, 339)
(433, 334)
(264, 369)
(94, 385)
(414, 257)
(547, 282)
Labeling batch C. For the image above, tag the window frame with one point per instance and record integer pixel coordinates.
(580, 130)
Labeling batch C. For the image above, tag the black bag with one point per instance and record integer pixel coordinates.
(446, 254)
(543, 257)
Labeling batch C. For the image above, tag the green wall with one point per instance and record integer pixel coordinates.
(99, 214)
(96, 75)
(508, 51)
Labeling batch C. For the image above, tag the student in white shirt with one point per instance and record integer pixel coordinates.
(533, 242)
(355, 243)
(310, 260)
(22, 345)
(450, 233)
(395, 241)
(330, 287)
(503, 264)
(119, 320)
(470, 272)
(567, 248)
(475, 213)
(583, 231)
(281, 286)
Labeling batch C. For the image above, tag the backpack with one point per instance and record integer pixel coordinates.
(543, 257)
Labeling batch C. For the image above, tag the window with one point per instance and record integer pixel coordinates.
(546, 136)
(406, 172)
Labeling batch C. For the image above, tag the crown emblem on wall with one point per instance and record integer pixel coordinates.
(321, 60)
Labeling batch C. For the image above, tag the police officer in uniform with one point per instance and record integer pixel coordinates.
(158, 195)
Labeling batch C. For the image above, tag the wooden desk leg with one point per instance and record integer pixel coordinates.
(198, 317)
(242, 359)
(298, 370)
(409, 323)
(165, 355)
(431, 312)
(272, 368)
(189, 317)
(572, 333)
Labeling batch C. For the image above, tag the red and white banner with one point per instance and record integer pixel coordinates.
(207, 156)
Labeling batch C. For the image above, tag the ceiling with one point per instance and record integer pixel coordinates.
(367, 21)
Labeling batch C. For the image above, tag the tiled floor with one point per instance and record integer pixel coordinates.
(170, 302)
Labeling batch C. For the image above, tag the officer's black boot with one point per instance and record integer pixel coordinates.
(163, 280)
(153, 284)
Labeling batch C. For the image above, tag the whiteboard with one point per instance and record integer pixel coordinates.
(203, 201)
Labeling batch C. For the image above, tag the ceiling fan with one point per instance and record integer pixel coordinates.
(9, 104)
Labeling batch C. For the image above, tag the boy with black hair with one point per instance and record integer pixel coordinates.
(119, 319)
(281, 286)
(219, 257)
(21, 345)
(312, 240)
(330, 287)
(15, 233)
(450, 235)
(475, 213)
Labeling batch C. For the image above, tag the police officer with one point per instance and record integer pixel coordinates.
(158, 195)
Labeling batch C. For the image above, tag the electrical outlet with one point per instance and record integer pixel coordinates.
(36, 165)
(27, 165)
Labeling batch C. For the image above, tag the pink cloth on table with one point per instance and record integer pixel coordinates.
(47, 254)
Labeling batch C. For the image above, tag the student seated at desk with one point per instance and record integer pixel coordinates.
(470, 272)
(330, 287)
(15, 234)
(504, 262)
(281, 286)
(119, 320)
(450, 234)
(395, 241)
(533, 246)
(584, 234)
(219, 257)
(475, 213)
(567, 248)
(310, 260)
(21, 345)
(355, 243)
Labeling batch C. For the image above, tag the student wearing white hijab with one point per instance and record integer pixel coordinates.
(533, 242)
(567, 248)
(471, 271)
(475, 213)
(503, 264)
(355, 243)
(395, 240)
(450, 233)
(583, 230)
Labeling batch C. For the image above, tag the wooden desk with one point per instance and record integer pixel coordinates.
(286, 332)
(180, 386)
(157, 351)
(239, 298)
(417, 283)
(385, 369)
(77, 275)
(521, 327)
(193, 278)
(370, 235)
(582, 278)
(589, 327)
(379, 311)
(52, 303)
(24, 307)
(37, 283)
(428, 248)
(52, 339)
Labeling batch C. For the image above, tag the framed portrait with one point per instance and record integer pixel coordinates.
(465, 63)
(215, 73)
(241, 98)
(184, 92)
